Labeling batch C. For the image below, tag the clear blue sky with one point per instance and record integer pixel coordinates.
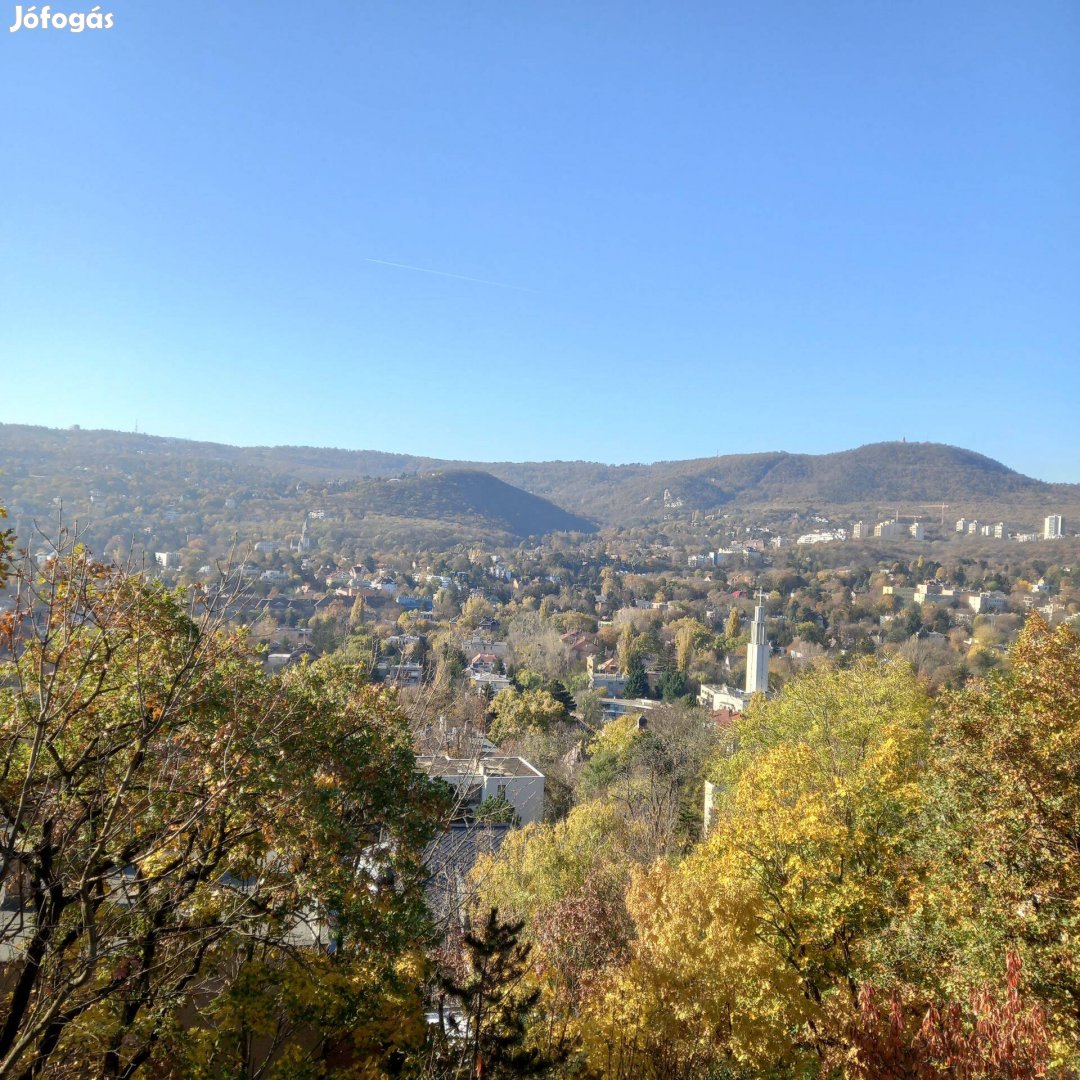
(698, 226)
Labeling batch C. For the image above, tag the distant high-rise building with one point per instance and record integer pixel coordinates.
(961, 525)
(889, 529)
(757, 653)
(859, 530)
(1053, 527)
(917, 530)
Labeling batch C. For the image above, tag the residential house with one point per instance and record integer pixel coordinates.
(477, 779)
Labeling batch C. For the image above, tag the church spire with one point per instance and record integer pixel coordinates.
(757, 652)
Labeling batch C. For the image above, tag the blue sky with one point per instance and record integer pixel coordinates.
(697, 227)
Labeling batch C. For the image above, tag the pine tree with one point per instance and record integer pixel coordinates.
(637, 682)
(673, 685)
(495, 1003)
(558, 691)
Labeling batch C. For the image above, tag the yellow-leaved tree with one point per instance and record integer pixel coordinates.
(750, 953)
(568, 883)
(1002, 850)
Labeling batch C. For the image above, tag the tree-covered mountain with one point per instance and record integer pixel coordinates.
(126, 483)
(466, 496)
(163, 492)
(873, 475)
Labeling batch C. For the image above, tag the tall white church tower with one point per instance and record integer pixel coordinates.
(757, 653)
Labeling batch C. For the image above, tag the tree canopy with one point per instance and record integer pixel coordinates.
(200, 862)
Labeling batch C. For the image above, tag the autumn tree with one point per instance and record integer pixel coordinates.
(751, 951)
(690, 635)
(1003, 847)
(567, 883)
(994, 1036)
(625, 650)
(175, 821)
(475, 611)
(537, 645)
(518, 713)
(652, 773)
(356, 614)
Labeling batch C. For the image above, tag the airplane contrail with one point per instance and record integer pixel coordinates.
(444, 273)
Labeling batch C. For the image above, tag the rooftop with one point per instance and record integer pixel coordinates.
(438, 765)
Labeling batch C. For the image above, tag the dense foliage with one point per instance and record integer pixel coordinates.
(866, 844)
(205, 870)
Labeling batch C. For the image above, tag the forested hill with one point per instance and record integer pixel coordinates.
(465, 495)
(873, 476)
(164, 491)
(131, 472)
(864, 479)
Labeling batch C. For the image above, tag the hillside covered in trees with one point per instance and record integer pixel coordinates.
(120, 487)
(123, 483)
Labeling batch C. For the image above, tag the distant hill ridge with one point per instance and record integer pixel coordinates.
(465, 495)
(573, 495)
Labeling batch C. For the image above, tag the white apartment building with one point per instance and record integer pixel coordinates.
(1053, 527)
(889, 529)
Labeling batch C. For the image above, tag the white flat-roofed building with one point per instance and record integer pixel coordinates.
(716, 697)
(487, 777)
(489, 680)
(982, 602)
(614, 707)
(1053, 527)
(931, 591)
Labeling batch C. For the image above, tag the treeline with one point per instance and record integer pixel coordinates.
(860, 481)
